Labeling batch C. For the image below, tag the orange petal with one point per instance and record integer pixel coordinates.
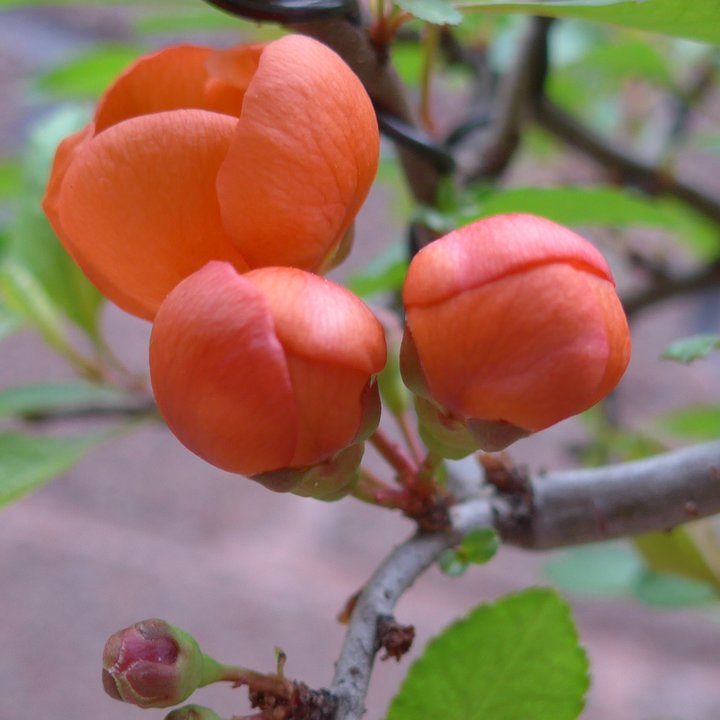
(219, 373)
(229, 74)
(303, 157)
(493, 248)
(530, 349)
(138, 205)
(317, 319)
(169, 79)
(330, 406)
(64, 155)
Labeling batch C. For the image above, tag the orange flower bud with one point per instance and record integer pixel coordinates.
(513, 324)
(266, 371)
(256, 155)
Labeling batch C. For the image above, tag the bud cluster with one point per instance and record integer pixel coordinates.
(208, 195)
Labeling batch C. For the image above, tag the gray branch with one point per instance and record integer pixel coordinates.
(547, 511)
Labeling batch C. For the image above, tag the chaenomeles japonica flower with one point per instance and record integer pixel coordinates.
(513, 324)
(259, 155)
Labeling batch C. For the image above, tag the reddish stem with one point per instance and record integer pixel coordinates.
(395, 456)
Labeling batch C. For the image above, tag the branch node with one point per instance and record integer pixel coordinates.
(395, 639)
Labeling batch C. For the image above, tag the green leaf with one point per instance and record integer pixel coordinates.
(33, 244)
(601, 570)
(691, 551)
(452, 564)
(701, 422)
(600, 205)
(672, 592)
(194, 21)
(56, 397)
(88, 75)
(691, 19)
(384, 274)
(9, 322)
(480, 546)
(514, 659)
(27, 462)
(689, 349)
(10, 177)
(437, 12)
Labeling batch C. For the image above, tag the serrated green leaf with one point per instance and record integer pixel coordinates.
(514, 659)
(33, 244)
(437, 12)
(88, 75)
(480, 546)
(56, 397)
(692, 348)
(696, 20)
(27, 462)
(452, 564)
(701, 422)
(600, 570)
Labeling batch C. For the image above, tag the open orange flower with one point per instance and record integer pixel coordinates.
(258, 155)
(513, 324)
(266, 371)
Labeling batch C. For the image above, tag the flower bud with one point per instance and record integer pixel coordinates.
(268, 371)
(154, 664)
(513, 324)
(257, 155)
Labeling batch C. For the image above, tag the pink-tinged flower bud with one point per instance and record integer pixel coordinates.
(154, 665)
(268, 371)
(513, 324)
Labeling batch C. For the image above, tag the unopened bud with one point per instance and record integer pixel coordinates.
(154, 664)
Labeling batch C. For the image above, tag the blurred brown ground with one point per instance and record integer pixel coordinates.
(141, 528)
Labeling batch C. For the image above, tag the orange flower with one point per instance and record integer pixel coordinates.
(257, 155)
(513, 324)
(267, 371)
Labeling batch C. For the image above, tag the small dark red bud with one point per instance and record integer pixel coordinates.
(153, 664)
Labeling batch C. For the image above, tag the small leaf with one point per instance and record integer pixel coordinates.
(57, 397)
(514, 659)
(480, 546)
(27, 462)
(601, 570)
(701, 422)
(437, 12)
(692, 348)
(452, 564)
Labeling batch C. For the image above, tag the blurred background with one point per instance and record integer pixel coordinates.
(138, 527)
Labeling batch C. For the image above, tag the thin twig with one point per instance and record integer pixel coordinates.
(665, 288)
(627, 168)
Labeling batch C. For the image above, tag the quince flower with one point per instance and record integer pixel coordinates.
(257, 155)
(513, 324)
